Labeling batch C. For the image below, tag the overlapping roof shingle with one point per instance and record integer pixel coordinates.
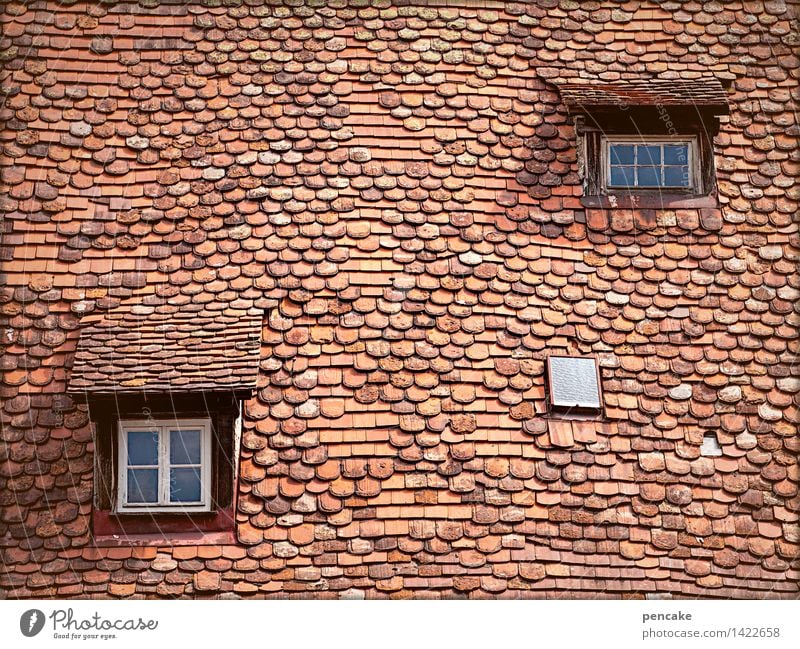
(706, 92)
(144, 349)
(398, 187)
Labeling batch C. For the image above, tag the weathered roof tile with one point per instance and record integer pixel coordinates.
(703, 93)
(397, 189)
(145, 349)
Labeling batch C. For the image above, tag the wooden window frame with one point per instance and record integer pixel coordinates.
(695, 184)
(112, 527)
(164, 428)
(643, 124)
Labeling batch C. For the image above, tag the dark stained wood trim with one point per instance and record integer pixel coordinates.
(107, 525)
(106, 411)
(593, 125)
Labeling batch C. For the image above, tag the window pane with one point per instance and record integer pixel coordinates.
(184, 447)
(676, 176)
(649, 155)
(574, 382)
(676, 154)
(143, 448)
(142, 486)
(184, 485)
(622, 154)
(710, 447)
(649, 176)
(622, 176)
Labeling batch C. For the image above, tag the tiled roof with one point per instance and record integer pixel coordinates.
(397, 187)
(144, 349)
(705, 92)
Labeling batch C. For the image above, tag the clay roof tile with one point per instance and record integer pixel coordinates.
(705, 92)
(136, 348)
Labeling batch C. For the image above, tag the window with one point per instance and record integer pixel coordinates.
(626, 168)
(164, 465)
(710, 446)
(650, 164)
(646, 143)
(147, 472)
(574, 384)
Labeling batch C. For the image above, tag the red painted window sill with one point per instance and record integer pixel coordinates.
(215, 528)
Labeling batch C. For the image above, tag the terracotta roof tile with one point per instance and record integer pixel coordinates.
(397, 190)
(146, 349)
(704, 92)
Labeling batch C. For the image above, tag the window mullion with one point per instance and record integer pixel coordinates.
(122, 497)
(163, 466)
(205, 465)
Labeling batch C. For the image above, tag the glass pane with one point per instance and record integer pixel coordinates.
(142, 486)
(574, 382)
(622, 154)
(710, 447)
(622, 176)
(676, 154)
(143, 448)
(184, 485)
(649, 155)
(676, 176)
(649, 176)
(184, 447)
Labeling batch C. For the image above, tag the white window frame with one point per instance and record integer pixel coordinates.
(695, 184)
(162, 427)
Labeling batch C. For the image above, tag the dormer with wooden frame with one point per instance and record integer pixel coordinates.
(647, 143)
(164, 390)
